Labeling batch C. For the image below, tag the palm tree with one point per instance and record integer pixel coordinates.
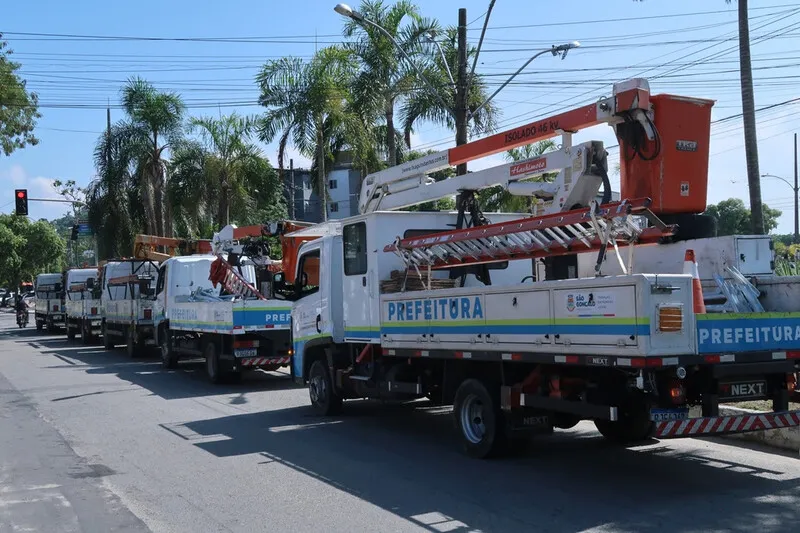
(384, 76)
(114, 197)
(228, 139)
(422, 105)
(308, 103)
(749, 119)
(155, 121)
(498, 199)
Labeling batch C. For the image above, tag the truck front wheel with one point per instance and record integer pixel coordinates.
(108, 343)
(212, 362)
(133, 346)
(70, 333)
(479, 420)
(320, 388)
(169, 359)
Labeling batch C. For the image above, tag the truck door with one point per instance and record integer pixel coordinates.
(310, 310)
(358, 290)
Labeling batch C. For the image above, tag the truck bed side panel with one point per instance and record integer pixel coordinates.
(229, 317)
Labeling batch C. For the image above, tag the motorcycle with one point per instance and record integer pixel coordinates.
(22, 318)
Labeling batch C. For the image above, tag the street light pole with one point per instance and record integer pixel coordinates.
(796, 190)
(796, 207)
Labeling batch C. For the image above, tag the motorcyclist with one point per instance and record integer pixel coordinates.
(19, 304)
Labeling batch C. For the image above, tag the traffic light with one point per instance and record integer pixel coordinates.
(21, 197)
(74, 236)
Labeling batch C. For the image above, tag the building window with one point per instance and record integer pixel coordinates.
(354, 239)
(334, 207)
(332, 184)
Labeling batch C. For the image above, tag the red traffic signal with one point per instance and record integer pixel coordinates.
(21, 197)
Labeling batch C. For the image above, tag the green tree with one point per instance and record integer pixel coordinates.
(227, 139)
(29, 248)
(733, 217)
(423, 105)
(309, 104)
(18, 106)
(385, 76)
(255, 193)
(114, 198)
(155, 121)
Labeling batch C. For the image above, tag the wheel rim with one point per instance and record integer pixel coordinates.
(318, 389)
(472, 419)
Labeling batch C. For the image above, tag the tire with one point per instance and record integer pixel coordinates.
(213, 368)
(634, 424)
(132, 346)
(169, 359)
(39, 325)
(691, 226)
(70, 333)
(324, 399)
(480, 421)
(108, 344)
(86, 336)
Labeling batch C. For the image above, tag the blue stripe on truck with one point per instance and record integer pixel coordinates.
(748, 332)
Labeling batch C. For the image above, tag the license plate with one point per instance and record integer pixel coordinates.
(666, 415)
(245, 352)
(743, 389)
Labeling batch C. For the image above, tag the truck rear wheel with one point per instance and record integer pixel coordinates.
(479, 420)
(212, 362)
(108, 343)
(70, 333)
(132, 347)
(634, 424)
(320, 389)
(86, 332)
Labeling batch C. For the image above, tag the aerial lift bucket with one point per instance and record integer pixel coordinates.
(676, 179)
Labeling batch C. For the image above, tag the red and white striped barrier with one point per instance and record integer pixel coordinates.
(718, 425)
(263, 361)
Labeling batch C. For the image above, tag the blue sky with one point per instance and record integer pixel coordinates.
(683, 47)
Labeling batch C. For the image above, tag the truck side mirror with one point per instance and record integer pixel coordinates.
(279, 278)
(90, 283)
(144, 287)
(57, 287)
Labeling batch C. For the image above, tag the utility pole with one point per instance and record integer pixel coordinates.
(796, 190)
(461, 87)
(749, 120)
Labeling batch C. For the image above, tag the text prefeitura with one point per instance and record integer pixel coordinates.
(463, 308)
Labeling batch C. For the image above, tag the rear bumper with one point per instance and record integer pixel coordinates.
(726, 425)
(249, 363)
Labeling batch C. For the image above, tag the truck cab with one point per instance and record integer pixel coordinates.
(50, 305)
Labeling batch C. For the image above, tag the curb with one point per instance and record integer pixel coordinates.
(785, 439)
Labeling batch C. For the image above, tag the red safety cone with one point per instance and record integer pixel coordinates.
(690, 267)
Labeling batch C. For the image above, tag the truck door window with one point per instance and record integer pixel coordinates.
(354, 239)
(308, 281)
(162, 273)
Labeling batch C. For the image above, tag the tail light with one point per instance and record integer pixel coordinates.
(148, 314)
(55, 308)
(94, 310)
(791, 382)
(670, 319)
(676, 391)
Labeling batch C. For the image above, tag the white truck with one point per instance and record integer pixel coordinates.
(128, 287)
(49, 305)
(230, 323)
(519, 355)
(84, 308)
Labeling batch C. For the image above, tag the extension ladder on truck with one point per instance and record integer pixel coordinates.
(225, 273)
(569, 232)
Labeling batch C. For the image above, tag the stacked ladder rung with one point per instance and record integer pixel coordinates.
(557, 234)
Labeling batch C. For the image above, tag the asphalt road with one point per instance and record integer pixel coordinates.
(93, 441)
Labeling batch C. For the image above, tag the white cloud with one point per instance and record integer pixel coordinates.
(15, 177)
